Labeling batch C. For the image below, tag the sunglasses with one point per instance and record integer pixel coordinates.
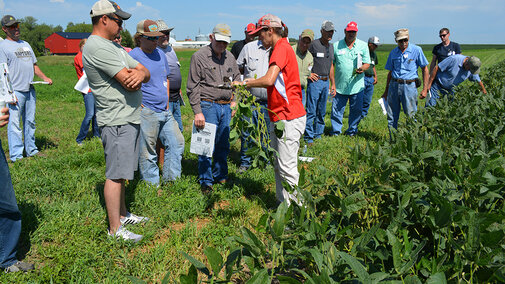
(12, 27)
(152, 38)
(444, 35)
(403, 40)
(118, 21)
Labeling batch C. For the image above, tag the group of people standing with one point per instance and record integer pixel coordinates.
(134, 99)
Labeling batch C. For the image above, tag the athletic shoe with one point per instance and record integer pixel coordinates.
(132, 219)
(20, 266)
(126, 235)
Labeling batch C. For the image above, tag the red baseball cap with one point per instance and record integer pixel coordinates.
(267, 21)
(351, 27)
(250, 27)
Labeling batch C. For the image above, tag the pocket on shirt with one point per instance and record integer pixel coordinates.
(252, 63)
(211, 75)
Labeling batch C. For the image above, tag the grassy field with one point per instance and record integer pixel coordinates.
(60, 192)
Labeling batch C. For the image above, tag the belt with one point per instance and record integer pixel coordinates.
(220, 102)
(368, 75)
(324, 78)
(402, 81)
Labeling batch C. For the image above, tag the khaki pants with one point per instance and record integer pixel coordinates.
(286, 162)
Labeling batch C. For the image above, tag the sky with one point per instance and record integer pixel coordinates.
(470, 21)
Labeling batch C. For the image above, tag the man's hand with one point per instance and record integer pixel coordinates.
(233, 106)
(47, 79)
(4, 116)
(333, 91)
(359, 70)
(199, 120)
(134, 79)
(313, 77)
(375, 80)
(423, 94)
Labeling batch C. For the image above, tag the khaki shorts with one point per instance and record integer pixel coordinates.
(120, 146)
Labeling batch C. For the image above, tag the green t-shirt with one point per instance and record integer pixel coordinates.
(102, 60)
(305, 63)
(346, 60)
(373, 61)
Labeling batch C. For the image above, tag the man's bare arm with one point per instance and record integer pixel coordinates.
(41, 75)
(132, 79)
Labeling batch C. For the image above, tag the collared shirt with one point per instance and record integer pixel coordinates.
(403, 65)
(452, 73)
(442, 51)
(206, 76)
(347, 60)
(174, 77)
(323, 57)
(305, 63)
(254, 59)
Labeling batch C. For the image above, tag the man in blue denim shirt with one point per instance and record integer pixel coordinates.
(156, 120)
(401, 90)
(451, 72)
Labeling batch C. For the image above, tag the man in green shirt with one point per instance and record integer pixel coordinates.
(370, 75)
(304, 59)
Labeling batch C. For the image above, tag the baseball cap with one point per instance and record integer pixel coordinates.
(162, 26)
(374, 40)
(148, 28)
(474, 64)
(250, 27)
(267, 21)
(8, 21)
(307, 33)
(222, 32)
(401, 34)
(104, 7)
(327, 26)
(351, 27)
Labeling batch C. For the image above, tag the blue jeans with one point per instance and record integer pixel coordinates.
(216, 169)
(162, 125)
(337, 112)
(436, 92)
(245, 160)
(175, 109)
(25, 110)
(304, 97)
(400, 95)
(89, 117)
(10, 217)
(317, 95)
(367, 95)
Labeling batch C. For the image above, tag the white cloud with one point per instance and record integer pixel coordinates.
(57, 1)
(382, 12)
(138, 4)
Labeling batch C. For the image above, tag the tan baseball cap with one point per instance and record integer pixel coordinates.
(474, 64)
(222, 32)
(163, 27)
(307, 33)
(401, 34)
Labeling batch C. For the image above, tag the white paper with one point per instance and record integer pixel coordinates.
(39, 82)
(428, 96)
(320, 54)
(82, 85)
(202, 140)
(360, 61)
(306, 159)
(6, 92)
(382, 103)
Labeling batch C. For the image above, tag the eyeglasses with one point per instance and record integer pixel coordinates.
(152, 38)
(444, 35)
(12, 27)
(118, 21)
(403, 40)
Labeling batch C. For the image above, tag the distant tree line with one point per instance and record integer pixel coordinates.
(35, 33)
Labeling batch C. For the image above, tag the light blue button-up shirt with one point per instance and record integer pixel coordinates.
(404, 65)
(451, 72)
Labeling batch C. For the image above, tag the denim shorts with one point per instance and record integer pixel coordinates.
(120, 145)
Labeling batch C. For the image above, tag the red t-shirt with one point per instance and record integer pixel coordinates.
(285, 97)
(78, 64)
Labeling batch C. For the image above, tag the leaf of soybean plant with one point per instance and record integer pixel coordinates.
(198, 264)
(304, 274)
(279, 129)
(261, 277)
(318, 258)
(215, 259)
(437, 278)
(443, 216)
(253, 239)
(287, 280)
(356, 267)
(191, 277)
(230, 260)
(412, 279)
(395, 244)
(378, 277)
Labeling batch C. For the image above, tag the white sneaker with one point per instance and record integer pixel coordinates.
(132, 219)
(126, 235)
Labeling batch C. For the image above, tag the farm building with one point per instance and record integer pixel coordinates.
(64, 43)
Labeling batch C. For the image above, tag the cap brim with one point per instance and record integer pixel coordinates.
(123, 15)
(475, 71)
(402, 37)
(255, 31)
(351, 29)
(153, 34)
(219, 37)
(12, 23)
(167, 30)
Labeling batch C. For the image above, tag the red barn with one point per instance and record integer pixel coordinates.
(64, 43)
